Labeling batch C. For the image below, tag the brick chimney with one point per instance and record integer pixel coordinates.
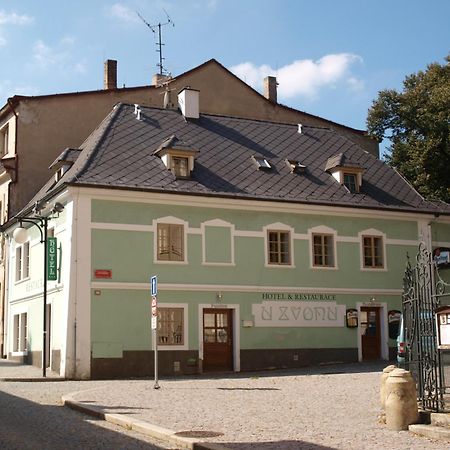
(270, 89)
(158, 79)
(110, 74)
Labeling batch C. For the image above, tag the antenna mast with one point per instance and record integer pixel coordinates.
(162, 69)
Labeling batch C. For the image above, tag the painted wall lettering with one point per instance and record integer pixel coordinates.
(304, 314)
(298, 296)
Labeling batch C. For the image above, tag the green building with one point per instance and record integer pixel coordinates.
(274, 245)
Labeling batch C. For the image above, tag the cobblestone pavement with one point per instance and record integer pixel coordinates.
(331, 407)
(32, 418)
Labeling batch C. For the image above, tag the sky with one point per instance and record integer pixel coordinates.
(330, 57)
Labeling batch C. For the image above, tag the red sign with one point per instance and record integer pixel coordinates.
(103, 273)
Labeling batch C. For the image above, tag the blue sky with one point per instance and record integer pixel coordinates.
(331, 57)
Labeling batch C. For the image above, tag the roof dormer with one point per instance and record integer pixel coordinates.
(64, 162)
(346, 172)
(177, 156)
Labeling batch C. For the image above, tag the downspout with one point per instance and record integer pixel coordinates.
(6, 248)
(16, 177)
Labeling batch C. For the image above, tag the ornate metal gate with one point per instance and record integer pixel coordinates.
(423, 290)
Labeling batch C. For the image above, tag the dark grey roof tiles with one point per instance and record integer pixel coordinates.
(120, 153)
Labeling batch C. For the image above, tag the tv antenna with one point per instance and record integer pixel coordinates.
(159, 43)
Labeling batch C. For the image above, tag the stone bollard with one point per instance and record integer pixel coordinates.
(401, 400)
(386, 372)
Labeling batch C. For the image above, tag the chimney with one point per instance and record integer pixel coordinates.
(270, 89)
(159, 79)
(110, 74)
(188, 100)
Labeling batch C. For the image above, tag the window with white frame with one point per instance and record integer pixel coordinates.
(170, 242)
(278, 247)
(20, 332)
(23, 261)
(350, 182)
(323, 250)
(180, 166)
(4, 140)
(373, 257)
(170, 326)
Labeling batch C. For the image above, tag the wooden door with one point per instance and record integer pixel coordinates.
(370, 333)
(217, 340)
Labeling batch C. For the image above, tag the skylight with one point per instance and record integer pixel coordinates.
(295, 166)
(262, 162)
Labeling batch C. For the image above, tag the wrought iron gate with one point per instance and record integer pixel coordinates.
(423, 290)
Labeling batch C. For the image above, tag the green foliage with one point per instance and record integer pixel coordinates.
(417, 122)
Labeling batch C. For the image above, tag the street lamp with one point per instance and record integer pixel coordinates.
(20, 235)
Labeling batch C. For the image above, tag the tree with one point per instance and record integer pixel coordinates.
(417, 122)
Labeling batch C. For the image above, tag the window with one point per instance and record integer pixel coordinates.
(170, 242)
(170, 326)
(20, 333)
(373, 252)
(23, 261)
(278, 247)
(350, 182)
(323, 250)
(4, 139)
(180, 166)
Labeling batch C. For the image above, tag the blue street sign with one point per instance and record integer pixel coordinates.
(154, 284)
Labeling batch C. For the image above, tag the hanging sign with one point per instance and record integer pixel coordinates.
(52, 259)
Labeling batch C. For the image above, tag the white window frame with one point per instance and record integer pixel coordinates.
(278, 226)
(22, 262)
(20, 333)
(220, 224)
(185, 345)
(4, 140)
(170, 220)
(322, 230)
(372, 232)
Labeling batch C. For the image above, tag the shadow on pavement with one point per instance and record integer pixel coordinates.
(28, 425)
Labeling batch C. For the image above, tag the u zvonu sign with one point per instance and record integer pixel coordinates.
(298, 314)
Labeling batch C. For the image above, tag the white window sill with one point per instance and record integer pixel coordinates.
(166, 347)
(25, 353)
(280, 266)
(175, 263)
(22, 280)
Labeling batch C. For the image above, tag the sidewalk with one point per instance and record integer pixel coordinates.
(329, 407)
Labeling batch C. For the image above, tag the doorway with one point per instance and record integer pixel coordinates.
(217, 340)
(370, 333)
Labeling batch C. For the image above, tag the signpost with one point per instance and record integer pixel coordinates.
(154, 292)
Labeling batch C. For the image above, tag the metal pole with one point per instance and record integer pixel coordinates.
(44, 337)
(155, 331)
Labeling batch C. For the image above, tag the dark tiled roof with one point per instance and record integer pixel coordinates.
(341, 160)
(120, 154)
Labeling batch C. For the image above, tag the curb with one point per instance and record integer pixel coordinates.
(140, 426)
(32, 379)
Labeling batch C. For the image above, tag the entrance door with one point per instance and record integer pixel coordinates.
(370, 333)
(217, 339)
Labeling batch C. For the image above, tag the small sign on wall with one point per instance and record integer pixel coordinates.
(52, 259)
(103, 273)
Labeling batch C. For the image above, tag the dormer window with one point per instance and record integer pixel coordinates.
(64, 162)
(261, 162)
(180, 166)
(350, 182)
(177, 156)
(346, 172)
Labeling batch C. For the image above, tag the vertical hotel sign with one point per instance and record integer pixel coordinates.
(52, 259)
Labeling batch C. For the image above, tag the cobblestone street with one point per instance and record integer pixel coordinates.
(332, 407)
